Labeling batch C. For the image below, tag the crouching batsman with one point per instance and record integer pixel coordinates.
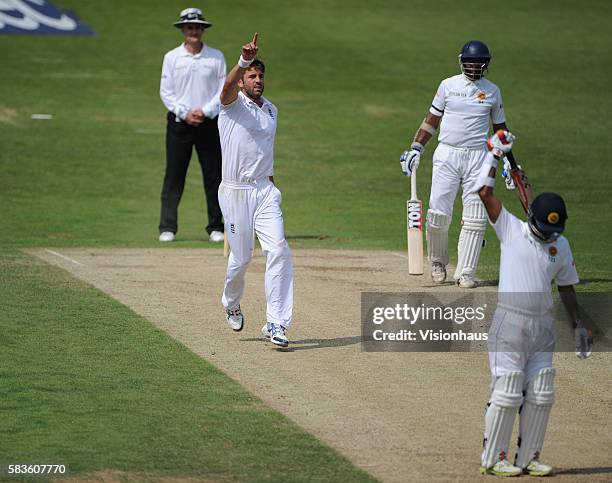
(521, 339)
(249, 200)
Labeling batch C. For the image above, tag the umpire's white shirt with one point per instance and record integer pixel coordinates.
(528, 266)
(466, 107)
(191, 81)
(247, 134)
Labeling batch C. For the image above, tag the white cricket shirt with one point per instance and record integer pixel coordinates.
(466, 107)
(191, 82)
(528, 266)
(247, 134)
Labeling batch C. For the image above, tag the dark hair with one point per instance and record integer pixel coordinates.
(258, 64)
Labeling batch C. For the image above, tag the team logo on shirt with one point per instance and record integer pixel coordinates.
(481, 97)
(552, 252)
(553, 217)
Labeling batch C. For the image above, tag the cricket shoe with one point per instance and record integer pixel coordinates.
(277, 335)
(167, 236)
(265, 331)
(535, 468)
(501, 468)
(216, 236)
(438, 272)
(235, 319)
(466, 281)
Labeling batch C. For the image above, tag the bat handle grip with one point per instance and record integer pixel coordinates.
(413, 186)
(511, 160)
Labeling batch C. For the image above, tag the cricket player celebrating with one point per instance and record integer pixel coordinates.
(461, 108)
(249, 200)
(521, 338)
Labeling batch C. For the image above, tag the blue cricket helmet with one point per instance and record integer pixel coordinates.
(474, 59)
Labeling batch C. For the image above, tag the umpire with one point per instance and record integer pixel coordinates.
(192, 77)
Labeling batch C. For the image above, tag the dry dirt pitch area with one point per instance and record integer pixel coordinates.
(399, 416)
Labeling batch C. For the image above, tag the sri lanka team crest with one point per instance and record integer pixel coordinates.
(38, 17)
(552, 252)
(481, 96)
(553, 217)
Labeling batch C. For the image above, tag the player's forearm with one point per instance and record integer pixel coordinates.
(485, 184)
(570, 302)
(502, 126)
(230, 90)
(427, 129)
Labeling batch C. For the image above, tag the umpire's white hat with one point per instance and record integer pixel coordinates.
(192, 15)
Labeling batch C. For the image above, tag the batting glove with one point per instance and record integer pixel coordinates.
(506, 175)
(409, 160)
(500, 143)
(583, 341)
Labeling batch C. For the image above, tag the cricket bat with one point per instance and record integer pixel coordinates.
(524, 191)
(414, 209)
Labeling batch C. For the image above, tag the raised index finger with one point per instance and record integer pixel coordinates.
(254, 41)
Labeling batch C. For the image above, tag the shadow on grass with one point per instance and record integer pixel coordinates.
(598, 470)
(308, 344)
(306, 237)
(488, 283)
(585, 281)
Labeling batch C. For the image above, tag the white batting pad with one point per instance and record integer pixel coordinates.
(470, 238)
(506, 398)
(539, 399)
(437, 236)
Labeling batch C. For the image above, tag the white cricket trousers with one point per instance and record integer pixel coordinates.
(520, 342)
(248, 209)
(454, 167)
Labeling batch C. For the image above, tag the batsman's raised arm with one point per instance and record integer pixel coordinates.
(231, 87)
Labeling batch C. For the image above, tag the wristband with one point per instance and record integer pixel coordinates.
(497, 153)
(242, 62)
(428, 128)
(418, 146)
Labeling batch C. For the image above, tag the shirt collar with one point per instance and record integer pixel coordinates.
(470, 82)
(265, 102)
(186, 53)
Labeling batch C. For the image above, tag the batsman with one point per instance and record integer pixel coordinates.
(522, 337)
(462, 108)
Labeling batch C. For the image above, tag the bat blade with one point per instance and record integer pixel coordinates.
(414, 210)
(524, 191)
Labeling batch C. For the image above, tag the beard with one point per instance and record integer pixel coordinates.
(254, 93)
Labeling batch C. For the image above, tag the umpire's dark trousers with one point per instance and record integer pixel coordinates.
(180, 139)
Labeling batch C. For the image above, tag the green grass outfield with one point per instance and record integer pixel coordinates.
(352, 80)
(86, 382)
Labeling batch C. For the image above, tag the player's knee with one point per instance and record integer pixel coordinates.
(240, 262)
(438, 221)
(280, 250)
(508, 390)
(474, 216)
(541, 389)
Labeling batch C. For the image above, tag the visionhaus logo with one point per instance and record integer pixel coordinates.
(38, 17)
